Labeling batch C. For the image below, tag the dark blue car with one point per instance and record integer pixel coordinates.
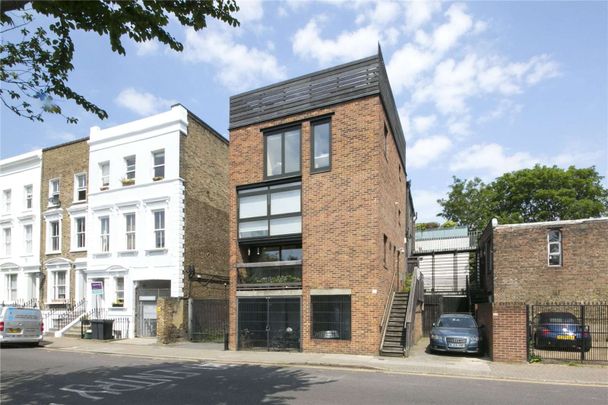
(456, 333)
(560, 330)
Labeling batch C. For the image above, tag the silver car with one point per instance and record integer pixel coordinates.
(456, 333)
(21, 325)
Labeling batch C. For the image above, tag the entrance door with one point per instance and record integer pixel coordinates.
(269, 323)
(147, 319)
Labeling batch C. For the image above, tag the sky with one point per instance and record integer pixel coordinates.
(482, 88)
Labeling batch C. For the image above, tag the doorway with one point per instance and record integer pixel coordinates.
(271, 324)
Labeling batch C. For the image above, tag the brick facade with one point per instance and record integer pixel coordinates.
(345, 214)
(509, 337)
(62, 162)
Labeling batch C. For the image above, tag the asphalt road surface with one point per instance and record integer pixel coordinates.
(41, 376)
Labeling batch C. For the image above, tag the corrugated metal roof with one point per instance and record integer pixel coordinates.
(443, 233)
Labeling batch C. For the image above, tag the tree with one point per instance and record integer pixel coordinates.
(425, 226)
(35, 68)
(530, 195)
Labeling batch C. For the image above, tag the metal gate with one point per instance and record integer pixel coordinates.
(145, 325)
(269, 323)
(568, 332)
(435, 305)
(208, 320)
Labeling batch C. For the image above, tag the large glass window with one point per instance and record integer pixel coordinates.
(330, 316)
(282, 152)
(257, 254)
(105, 233)
(130, 230)
(321, 145)
(80, 232)
(159, 229)
(554, 247)
(159, 164)
(55, 236)
(270, 211)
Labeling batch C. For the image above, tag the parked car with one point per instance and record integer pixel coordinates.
(456, 333)
(21, 325)
(560, 330)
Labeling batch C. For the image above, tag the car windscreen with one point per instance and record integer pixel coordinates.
(456, 322)
(557, 317)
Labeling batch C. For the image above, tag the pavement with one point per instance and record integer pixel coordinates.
(418, 363)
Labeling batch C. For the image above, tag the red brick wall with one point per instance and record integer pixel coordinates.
(521, 272)
(509, 332)
(346, 212)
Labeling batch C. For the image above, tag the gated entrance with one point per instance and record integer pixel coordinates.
(568, 332)
(435, 305)
(208, 320)
(145, 323)
(269, 323)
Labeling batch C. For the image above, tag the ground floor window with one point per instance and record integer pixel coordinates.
(120, 292)
(331, 316)
(59, 285)
(11, 287)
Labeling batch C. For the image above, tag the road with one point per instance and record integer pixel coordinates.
(42, 376)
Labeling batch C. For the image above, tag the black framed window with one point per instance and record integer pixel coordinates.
(256, 254)
(270, 211)
(554, 247)
(321, 146)
(331, 317)
(282, 152)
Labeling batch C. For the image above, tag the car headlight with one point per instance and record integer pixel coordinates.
(436, 337)
(474, 339)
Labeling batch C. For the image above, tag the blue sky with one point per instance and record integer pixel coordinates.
(482, 88)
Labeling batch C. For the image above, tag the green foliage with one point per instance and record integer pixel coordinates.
(533, 358)
(530, 195)
(425, 226)
(449, 224)
(34, 69)
(407, 283)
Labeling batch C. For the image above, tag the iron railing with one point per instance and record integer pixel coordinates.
(465, 242)
(278, 275)
(120, 325)
(22, 303)
(416, 296)
(568, 332)
(58, 318)
(388, 304)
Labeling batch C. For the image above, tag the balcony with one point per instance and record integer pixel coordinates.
(281, 275)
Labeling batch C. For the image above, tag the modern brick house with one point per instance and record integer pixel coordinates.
(318, 211)
(157, 206)
(63, 242)
(20, 228)
(537, 263)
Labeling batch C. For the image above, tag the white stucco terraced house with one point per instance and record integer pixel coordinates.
(136, 215)
(20, 228)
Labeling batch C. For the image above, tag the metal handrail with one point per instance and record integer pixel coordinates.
(417, 289)
(387, 306)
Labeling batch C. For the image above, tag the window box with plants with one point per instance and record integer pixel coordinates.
(127, 182)
(157, 178)
(119, 303)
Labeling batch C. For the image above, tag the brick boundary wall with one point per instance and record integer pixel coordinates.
(509, 340)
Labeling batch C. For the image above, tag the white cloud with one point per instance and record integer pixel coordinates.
(61, 136)
(491, 160)
(426, 150)
(406, 64)
(238, 67)
(382, 13)
(250, 10)
(418, 13)
(147, 48)
(423, 123)
(460, 126)
(142, 103)
(425, 204)
(307, 43)
(448, 34)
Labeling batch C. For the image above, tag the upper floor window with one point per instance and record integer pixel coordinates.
(29, 192)
(104, 168)
(27, 230)
(80, 232)
(7, 200)
(321, 145)
(54, 236)
(256, 254)
(7, 235)
(270, 211)
(159, 164)
(54, 192)
(130, 230)
(282, 151)
(130, 167)
(159, 229)
(80, 189)
(104, 223)
(554, 247)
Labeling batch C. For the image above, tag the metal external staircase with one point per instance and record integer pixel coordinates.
(393, 342)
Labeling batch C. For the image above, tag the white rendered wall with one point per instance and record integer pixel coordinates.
(15, 173)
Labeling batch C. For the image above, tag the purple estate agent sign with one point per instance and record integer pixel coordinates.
(97, 288)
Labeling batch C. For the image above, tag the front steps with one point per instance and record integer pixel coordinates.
(394, 340)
